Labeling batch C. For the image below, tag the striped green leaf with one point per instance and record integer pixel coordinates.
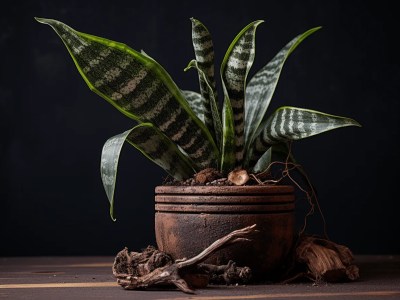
(204, 52)
(210, 105)
(153, 144)
(261, 88)
(196, 103)
(140, 88)
(234, 69)
(291, 123)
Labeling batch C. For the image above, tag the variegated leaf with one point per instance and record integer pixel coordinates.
(153, 144)
(291, 123)
(234, 69)
(261, 87)
(140, 88)
(196, 103)
(211, 108)
(204, 52)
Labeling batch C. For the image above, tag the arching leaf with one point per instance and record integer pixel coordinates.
(261, 87)
(140, 88)
(153, 144)
(204, 52)
(291, 123)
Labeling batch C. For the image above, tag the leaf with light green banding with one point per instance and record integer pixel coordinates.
(153, 144)
(196, 103)
(204, 52)
(261, 87)
(210, 105)
(291, 123)
(234, 69)
(140, 88)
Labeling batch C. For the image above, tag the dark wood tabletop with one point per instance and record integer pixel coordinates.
(91, 278)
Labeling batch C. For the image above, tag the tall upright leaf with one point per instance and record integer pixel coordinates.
(291, 123)
(234, 69)
(204, 52)
(153, 144)
(211, 104)
(261, 87)
(140, 88)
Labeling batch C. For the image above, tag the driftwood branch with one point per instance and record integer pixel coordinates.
(153, 268)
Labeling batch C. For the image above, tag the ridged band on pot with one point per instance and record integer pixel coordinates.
(190, 218)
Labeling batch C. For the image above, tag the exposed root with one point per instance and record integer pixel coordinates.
(265, 178)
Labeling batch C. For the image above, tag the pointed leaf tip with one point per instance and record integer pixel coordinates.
(45, 21)
(40, 20)
(190, 65)
(194, 21)
(112, 214)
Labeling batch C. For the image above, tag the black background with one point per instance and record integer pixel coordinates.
(53, 127)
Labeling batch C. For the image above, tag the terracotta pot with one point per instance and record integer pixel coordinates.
(189, 218)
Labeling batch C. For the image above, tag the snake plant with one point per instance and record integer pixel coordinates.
(186, 131)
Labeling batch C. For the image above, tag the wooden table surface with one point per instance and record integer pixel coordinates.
(91, 278)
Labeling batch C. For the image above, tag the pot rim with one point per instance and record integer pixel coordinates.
(225, 190)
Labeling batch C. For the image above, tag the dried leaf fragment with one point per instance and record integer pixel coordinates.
(207, 175)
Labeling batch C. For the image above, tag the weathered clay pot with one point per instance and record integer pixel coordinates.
(190, 218)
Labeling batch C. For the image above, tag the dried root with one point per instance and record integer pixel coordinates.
(151, 267)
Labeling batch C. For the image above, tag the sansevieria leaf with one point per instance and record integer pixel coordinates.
(261, 87)
(291, 123)
(153, 144)
(140, 88)
(204, 52)
(210, 105)
(196, 103)
(234, 69)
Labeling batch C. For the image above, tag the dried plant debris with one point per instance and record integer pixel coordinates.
(226, 274)
(207, 175)
(238, 177)
(150, 268)
(321, 260)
